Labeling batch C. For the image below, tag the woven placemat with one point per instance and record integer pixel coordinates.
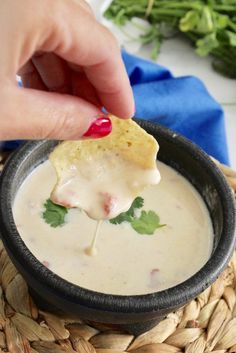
(206, 324)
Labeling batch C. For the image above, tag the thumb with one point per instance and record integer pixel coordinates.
(33, 114)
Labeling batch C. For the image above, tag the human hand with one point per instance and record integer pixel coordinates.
(70, 66)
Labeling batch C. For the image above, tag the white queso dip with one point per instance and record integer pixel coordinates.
(126, 262)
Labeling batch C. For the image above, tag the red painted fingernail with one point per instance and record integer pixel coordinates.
(99, 128)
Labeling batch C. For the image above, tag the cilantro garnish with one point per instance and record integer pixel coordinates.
(147, 223)
(137, 203)
(54, 214)
(128, 215)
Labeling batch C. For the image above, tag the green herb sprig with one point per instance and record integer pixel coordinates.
(128, 216)
(147, 223)
(54, 214)
(209, 24)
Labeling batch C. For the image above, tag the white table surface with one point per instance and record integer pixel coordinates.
(178, 55)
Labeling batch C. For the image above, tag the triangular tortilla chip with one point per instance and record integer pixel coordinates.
(103, 176)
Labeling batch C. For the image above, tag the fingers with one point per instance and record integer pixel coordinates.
(112, 86)
(53, 72)
(34, 114)
(85, 42)
(46, 71)
(71, 32)
(30, 77)
(50, 73)
(82, 87)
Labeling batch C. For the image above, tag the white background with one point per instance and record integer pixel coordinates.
(178, 56)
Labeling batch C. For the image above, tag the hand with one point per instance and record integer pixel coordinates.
(70, 66)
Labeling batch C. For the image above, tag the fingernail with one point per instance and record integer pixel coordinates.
(99, 128)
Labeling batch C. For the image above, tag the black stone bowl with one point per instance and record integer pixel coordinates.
(133, 313)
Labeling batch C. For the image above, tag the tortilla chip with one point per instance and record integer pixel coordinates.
(106, 173)
(127, 139)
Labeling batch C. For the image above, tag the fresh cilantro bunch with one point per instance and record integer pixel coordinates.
(209, 24)
(54, 214)
(146, 223)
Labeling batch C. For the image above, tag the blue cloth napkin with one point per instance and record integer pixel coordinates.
(182, 104)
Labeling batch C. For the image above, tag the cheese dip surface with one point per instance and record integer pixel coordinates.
(126, 263)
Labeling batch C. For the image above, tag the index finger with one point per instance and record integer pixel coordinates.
(83, 41)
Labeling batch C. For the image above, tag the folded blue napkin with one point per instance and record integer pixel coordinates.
(182, 104)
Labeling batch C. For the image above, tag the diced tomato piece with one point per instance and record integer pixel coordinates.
(108, 203)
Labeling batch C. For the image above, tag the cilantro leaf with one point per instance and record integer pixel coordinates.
(147, 223)
(54, 214)
(123, 217)
(128, 215)
(137, 203)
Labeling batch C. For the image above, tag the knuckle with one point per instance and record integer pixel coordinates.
(66, 125)
(111, 41)
(85, 6)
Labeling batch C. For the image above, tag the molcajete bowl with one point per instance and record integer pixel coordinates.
(133, 313)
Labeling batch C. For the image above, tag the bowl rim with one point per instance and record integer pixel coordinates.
(158, 301)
